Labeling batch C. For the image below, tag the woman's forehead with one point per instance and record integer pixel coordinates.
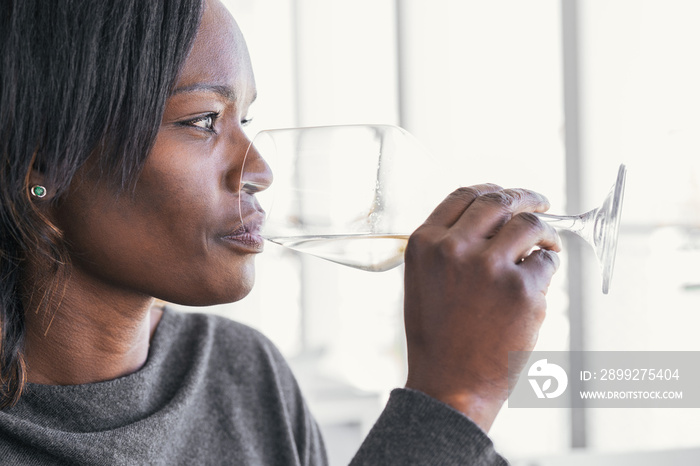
(219, 55)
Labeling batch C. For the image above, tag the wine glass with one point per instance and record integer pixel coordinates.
(599, 227)
(353, 194)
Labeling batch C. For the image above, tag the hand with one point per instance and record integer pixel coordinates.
(477, 273)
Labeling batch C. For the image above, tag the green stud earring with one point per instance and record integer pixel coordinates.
(38, 191)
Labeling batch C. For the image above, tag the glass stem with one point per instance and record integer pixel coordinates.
(579, 224)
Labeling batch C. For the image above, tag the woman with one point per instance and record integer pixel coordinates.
(121, 141)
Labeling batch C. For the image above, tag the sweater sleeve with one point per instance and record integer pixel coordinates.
(415, 429)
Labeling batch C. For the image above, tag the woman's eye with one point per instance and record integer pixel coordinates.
(205, 121)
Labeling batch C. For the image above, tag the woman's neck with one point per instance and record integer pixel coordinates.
(94, 333)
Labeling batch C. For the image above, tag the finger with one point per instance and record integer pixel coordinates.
(452, 207)
(541, 265)
(522, 233)
(489, 212)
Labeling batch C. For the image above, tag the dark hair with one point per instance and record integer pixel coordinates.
(78, 79)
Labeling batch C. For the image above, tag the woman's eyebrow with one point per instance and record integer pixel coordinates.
(224, 91)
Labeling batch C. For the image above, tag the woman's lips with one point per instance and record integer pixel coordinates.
(247, 236)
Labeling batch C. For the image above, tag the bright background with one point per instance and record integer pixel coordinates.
(550, 95)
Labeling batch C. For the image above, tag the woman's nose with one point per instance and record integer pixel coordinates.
(256, 174)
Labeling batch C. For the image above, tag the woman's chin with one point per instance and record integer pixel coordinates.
(214, 293)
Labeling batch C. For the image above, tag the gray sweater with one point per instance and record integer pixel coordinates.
(217, 392)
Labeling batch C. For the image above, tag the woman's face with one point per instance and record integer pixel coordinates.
(185, 236)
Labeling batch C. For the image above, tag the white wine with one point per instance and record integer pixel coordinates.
(375, 253)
